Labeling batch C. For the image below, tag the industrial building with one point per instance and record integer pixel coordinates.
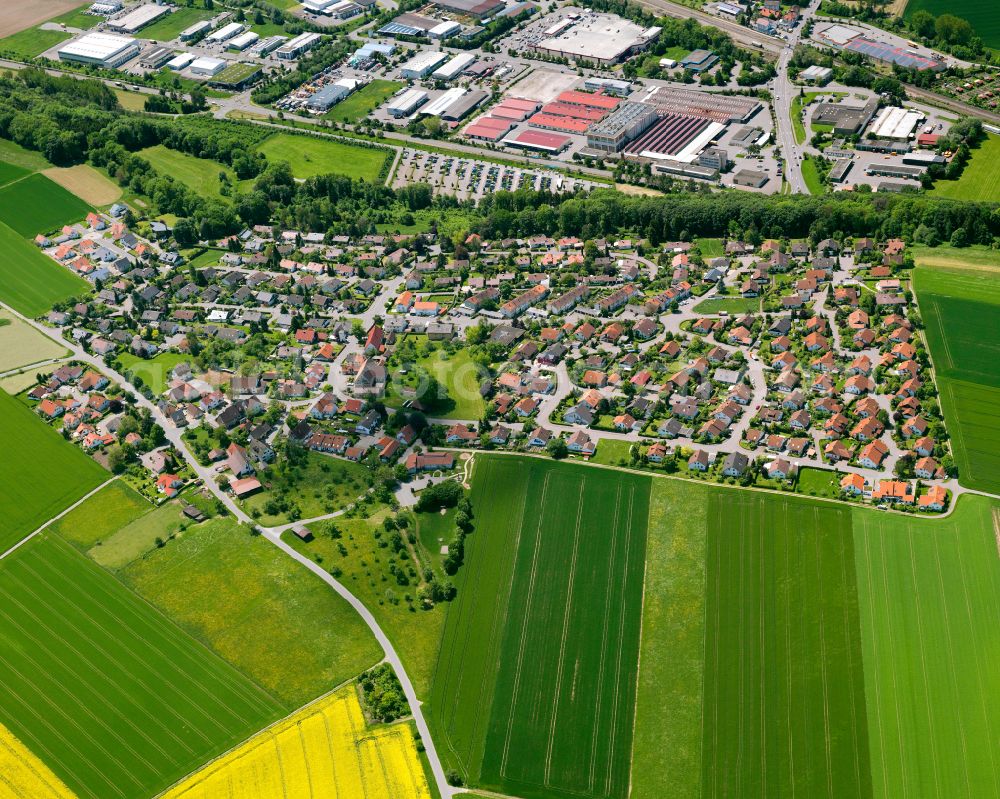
(621, 126)
(923, 159)
(838, 173)
(207, 67)
(243, 41)
(268, 45)
(894, 171)
(195, 30)
(750, 178)
(622, 88)
(895, 123)
(539, 140)
(422, 64)
(179, 62)
(155, 57)
(454, 68)
(225, 33)
(461, 108)
(139, 18)
(817, 75)
(105, 50)
(488, 128)
(445, 30)
(717, 107)
(600, 39)
(713, 158)
(846, 120)
(677, 169)
(106, 8)
(370, 50)
(675, 137)
(472, 8)
(699, 61)
(331, 94)
(408, 102)
(438, 106)
(338, 9)
(297, 46)
(515, 108)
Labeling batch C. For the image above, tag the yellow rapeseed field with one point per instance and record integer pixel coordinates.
(324, 751)
(24, 775)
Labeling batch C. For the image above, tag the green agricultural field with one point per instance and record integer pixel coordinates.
(169, 27)
(980, 180)
(112, 696)
(110, 509)
(534, 693)
(309, 156)
(31, 43)
(31, 282)
(15, 154)
(38, 205)
(981, 15)
(201, 175)
(40, 473)
(961, 311)
(22, 345)
(365, 100)
(455, 372)
(667, 751)
(784, 687)
(928, 597)
(11, 172)
(258, 608)
(155, 371)
(732, 305)
(136, 538)
(363, 566)
(320, 485)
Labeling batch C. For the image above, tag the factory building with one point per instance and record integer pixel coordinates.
(106, 8)
(699, 61)
(846, 120)
(455, 67)
(139, 18)
(459, 109)
(155, 57)
(330, 95)
(895, 123)
(408, 102)
(621, 126)
(225, 33)
(177, 63)
(105, 50)
(838, 173)
(243, 41)
(268, 45)
(472, 8)
(603, 39)
(297, 46)
(423, 64)
(622, 88)
(370, 50)
(445, 30)
(195, 30)
(895, 171)
(751, 178)
(207, 67)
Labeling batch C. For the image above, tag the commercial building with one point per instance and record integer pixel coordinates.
(817, 75)
(106, 8)
(461, 108)
(677, 169)
(105, 50)
(331, 94)
(622, 88)
(139, 18)
(423, 64)
(454, 68)
(243, 41)
(714, 158)
(600, 39)
(621, 126)
(750, 178)
(370, 50)
(338, 9)
(408, 102)
(207, 67)
(297, 46)
(846, 120)
(225, 33)
(488, 128)
(438, 106)
(445, 30)
(699, 60)
(538, 140)
(195, 30)
(515, 108)
(155, 57)
(179, 62)
(895, 123)
(472, 8)
(894, 171)
(268, 45)
(838, 173)
(923, 159)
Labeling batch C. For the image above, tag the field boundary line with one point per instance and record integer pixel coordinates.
(57, 517)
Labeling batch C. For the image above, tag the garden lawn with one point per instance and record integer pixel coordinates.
(710, 248)
(811, 176)
(980, 180)
(115, 699)
(155, 372)
(929, 603)
(201, 175)
(41, 474)
(113, 507)
(169, 27)
(309, 156)
(38, 205)
(732, 305)
(667, 749)
(365, 100)
(784, 685)
(534, 693)
(435, 530)
(22, 345)
(961, 311)
(456, 373)
(612, 452)
(322, 485)
(258, 608)
(819, 483)
(31, 43)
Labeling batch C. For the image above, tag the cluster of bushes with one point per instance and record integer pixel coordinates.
(383, 695)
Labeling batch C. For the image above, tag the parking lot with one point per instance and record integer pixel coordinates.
(467, 178)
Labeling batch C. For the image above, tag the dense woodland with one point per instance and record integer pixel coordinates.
(73, 121)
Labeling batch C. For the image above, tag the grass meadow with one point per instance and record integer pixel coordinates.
(86, 183)
(309, 156)
(456, 373)
(928, 595)
(102, 515)
(201, 175)
(961, 311)
(257, 608)
(22, 345)
(31, 43)
(784, 710)
(117, 700)
(11, 172)
(732, 305)
(558, 585)
(980, 180)
(155, 371)
(31, 282)
(38, 205)
(365, 100)
(40, 473)
(169, 27)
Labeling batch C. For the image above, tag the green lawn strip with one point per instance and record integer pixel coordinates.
(364, 569)
(31, 43)
(562, 715)
(928, 596)
(784, 685)
(733, 305)
(257, 608)
(667, 751)
(365, 100)
(169, 27)
(41, 474)
(114, 698)
(980, 180)
(38, 205)
(110, 509)
(309, 156)
(320, 485)
(155, 371)
(811, 176)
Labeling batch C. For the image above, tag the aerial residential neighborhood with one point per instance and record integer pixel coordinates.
(465, 398)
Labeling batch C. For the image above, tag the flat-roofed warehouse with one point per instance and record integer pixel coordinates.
(139, 18)
(422, 64)
(838, 173)
(720, 108)
(473, 8)
(621, 126)
(675, 137)
(459, 109)
(600, 38)
(298, 45)
(846, 120)
(895, 123)
(106, 50)
(408, 102)
(455, 67)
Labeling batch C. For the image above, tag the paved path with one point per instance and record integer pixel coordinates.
(57, 517)
(273, 535)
